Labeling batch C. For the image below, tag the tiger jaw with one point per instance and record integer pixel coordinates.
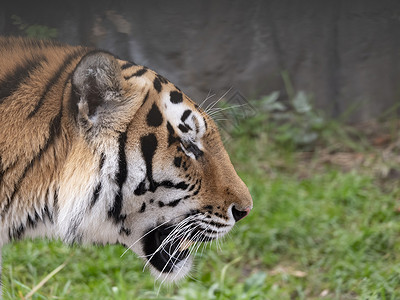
(168, 248)
(163, 251)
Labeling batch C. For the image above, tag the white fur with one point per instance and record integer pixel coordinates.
(174, 113)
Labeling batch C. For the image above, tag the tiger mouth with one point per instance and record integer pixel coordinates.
(164, 251)
(167, 249)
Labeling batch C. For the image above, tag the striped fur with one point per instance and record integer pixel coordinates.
(94, 149)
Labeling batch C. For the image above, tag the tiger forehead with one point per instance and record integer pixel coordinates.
(137, 74)
(168, 101)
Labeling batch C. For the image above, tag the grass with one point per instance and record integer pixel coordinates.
(314, 233)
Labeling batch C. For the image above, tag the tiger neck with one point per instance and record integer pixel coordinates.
(34, 147)
(31, 203)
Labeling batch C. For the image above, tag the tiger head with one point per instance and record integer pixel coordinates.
(147, 168)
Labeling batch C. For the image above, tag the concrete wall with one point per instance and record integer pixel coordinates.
(345, 53)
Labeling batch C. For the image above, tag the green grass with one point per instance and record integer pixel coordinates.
(327, 235)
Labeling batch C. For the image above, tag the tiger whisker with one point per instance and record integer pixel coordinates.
(190, 217)
(187, 234)
(166, 240)
(182, 240)
(155, 228)
(211, 105)
(220, 109)
(163, 243)
(171, 257)
(197, 245)
(205, 100)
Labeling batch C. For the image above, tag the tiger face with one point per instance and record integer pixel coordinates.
(140, 165)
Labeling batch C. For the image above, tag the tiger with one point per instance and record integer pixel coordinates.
(99, 150)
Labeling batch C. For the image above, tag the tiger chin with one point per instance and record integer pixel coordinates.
(98, 150)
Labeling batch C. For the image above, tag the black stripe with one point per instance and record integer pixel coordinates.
(141, 189)
(115, 211)
(181, 185)
(162, 79)
(154, 117)
(137, 73)
(32, 222)
(48, 213)
(175, 97)
(157, 84)
(195, 150)
(55, 202)
(15, 233)
(185, 115)
(197, 191)
(12, 81)
(177, 161)
(125, 231)
(54, 79)
(102, 159)
(174, 202)
(171, 135)
(127, 65)
(9, 167)
(183, 128)
(122, 172)
(95, 195)
(1, 170)
(148, 145)
(74, 224)
(216, 224)
(97, 190)
(145, 98)
(143, 208)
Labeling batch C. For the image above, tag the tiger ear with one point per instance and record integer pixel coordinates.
(97, 99)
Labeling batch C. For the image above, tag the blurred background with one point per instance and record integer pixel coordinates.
(309, 112)
(344, 53)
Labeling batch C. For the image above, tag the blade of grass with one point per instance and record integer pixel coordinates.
(44, 280)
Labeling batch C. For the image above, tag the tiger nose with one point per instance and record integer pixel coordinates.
(239, 214)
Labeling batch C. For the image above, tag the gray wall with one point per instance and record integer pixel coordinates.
(345, 53)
